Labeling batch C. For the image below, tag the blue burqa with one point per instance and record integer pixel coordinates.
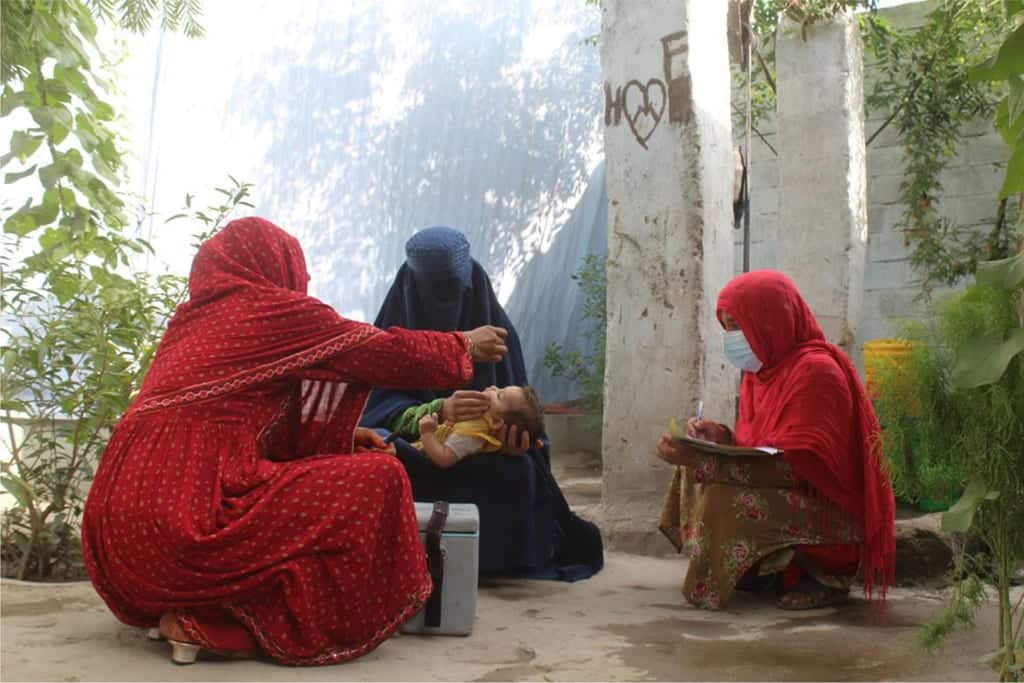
(526, 526)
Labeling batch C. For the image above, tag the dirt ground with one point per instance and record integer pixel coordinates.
(628, 623)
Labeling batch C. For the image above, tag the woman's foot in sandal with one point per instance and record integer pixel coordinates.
(812, 595)
(184, 651)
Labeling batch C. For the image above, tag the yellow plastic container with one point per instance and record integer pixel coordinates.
(880, 354)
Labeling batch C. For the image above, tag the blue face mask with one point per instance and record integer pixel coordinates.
(738, 351)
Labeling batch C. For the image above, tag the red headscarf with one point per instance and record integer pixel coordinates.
(248, 320)
(808, 400)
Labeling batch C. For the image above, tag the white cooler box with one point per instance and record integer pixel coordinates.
(453, 556)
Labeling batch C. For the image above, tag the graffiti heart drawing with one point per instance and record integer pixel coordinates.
(643, 105)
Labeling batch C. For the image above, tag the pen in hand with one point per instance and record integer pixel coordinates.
(697, 420)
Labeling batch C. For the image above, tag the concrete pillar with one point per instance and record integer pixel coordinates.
(669, 155)
(823, 225)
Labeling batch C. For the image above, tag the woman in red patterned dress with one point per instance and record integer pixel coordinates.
(237, 505)
(811, 517)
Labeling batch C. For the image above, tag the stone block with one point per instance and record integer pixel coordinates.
(872, 328)
(923, 552)
(886, 160)
(764, 173)
(762, 256)
(738, 254)
(899, 303)
(966, 181)
(621, 531)
(760, 230)
(766, 126)
(884, 189)
(887, 275)
(870, 308)
(988, 149)
(758, 148)
(884, 217)
(580, 491)
(571, 433)
(887, 245)
(764, 227)
(960, 158)
(971, 210)
(979, 126)
(889, 137)
(764, 200)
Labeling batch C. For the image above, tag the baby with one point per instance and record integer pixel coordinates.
(449, 443)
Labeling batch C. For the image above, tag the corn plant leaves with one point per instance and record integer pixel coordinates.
(1007, 62)
(985, 360)
(1014, 181)
(959, 517)
(1005, 273)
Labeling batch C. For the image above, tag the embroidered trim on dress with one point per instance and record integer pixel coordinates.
(346, 341)
(333, 655)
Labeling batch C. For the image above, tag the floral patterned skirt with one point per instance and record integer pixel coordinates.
(734, 514)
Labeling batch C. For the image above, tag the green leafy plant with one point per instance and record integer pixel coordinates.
(992, 506)
(921, 77)
(586, 365)
(955, 418)
(69, 366)
(54, 84)
(73, 356)
(989, 371)
(1007, 66)
(968, 595)
(991, 365)
(924, 81)
(81, 316)
(920, 412)
(766, 17)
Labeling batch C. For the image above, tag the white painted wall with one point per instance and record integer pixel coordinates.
(669, 161)
(820, 110)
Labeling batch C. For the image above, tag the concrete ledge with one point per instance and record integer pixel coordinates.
(631, 529)
(573, 432)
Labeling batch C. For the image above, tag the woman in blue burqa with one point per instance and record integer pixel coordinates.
(526, 526)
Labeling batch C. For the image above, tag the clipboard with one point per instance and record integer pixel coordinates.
(712, 448)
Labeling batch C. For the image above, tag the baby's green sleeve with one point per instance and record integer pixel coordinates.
(408, 423)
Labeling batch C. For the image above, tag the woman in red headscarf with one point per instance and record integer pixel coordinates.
(237, 506)
(813, 516)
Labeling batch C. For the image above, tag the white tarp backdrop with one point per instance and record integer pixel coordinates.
(360, 122)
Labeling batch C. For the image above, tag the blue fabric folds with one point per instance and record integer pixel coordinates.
(526, 526)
